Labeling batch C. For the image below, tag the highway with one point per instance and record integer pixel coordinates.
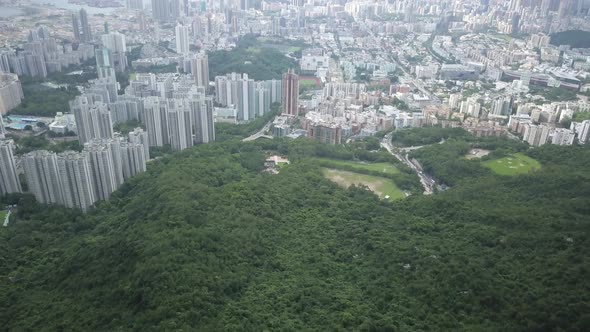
(7, 218)
(427, 181)
(260, 133)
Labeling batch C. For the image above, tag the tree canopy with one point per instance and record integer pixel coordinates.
(205, 241)
(574, 38)
(250, 57)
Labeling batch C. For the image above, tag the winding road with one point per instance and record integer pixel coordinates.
(428, 183)
(260, 133)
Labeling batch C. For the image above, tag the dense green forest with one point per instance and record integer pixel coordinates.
(555, 94)
(41, 100)
(426, 135)
(157, 69)
(28, 144)
(448, 162)
(574, 38)
(581, 116)
(251, 57)
(204, 241)
(44, 101)
(126, 127)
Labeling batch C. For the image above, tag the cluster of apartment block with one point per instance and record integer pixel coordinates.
(80, 179)
(9, 181)
(42, 55)
(173, 108)
(11, 92)
(249, 98)
(544, 133)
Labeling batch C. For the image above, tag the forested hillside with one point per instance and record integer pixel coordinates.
(250, 57)
(206, 242)
(574, 38)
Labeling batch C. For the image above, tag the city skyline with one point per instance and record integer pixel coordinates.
(331, 87)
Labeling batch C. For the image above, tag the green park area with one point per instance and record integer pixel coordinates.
(514, 164)
(385, 188)
(385, 168)
(41, 100)
(3, 214)
(252, 57)
(503, 37)
(307, 84)
(282, 45)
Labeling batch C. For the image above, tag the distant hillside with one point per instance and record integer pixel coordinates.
(574, 38)
(260, 62)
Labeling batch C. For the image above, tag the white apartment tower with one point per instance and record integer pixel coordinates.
(93, 120)
(584, 132)
(182, 39)
(115, 42)
(2, 129)
(42, 174)
(9, 182)
(135, 4)
(139, 136)
(202, 113)
(152, 118)
(200, 69)
(11, 93)
(64, 179)
(133, 159)
(76, 177)
(100, 157)
(179, 126)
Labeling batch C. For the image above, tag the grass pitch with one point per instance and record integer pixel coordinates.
(385, 168)
(381, 186)
(514, 164)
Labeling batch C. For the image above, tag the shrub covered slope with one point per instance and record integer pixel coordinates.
(205, 241)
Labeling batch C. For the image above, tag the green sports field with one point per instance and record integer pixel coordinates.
(307, 84)
(385, 168)
(381, 186)
(514, 164)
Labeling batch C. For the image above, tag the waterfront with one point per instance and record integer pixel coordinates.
(65, 5)
(10, 11)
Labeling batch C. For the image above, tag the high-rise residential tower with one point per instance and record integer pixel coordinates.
(135, 4)
(76, 27)
(182, 39)
(291, 93)
(76, 177)
(105, 63)
(100, 157)
(139, 136)
(2, 129)
(133, 159)
(93, 120)
(11, 92)
(200, 69)
(115, 43)
(179, 126)
(165, 10)
(564, 8)
(152, 118)
(202, 113)
(9, 182)
(43, 178)
(86, 31)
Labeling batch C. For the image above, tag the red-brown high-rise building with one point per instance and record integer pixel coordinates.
(291, 93)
